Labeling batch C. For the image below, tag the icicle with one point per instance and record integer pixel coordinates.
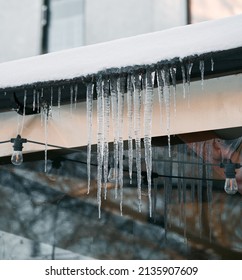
(23, 118)
(106, 134)
(212, 64)
(89, 100)
(59, 99)
(137, 131)
(42, 93)
(183, 80)
(148, 111)
(173, 79)
(71, 99)
(161, 94)
(166, 90)
(130, 125)
(201, 68)
(34, 100)
(121, 83)
(189, 71)
(100, 140)
(75, 94)
(38, 105)
(45, 114)
(51, 98)
(114, 102)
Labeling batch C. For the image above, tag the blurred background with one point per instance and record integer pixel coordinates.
(33, 27)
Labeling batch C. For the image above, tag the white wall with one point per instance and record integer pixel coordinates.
(20, 28)
(111, 19)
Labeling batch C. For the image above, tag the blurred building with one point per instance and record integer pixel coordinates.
(29, 28)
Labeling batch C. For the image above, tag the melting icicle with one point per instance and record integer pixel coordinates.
(106, 134)
(89, 99)
(137, 131)
(173, 79)
(148, 110)
(189, 71)
(51, 98)
(114, 102)
(161, 94)
(38, 103)
(42, 93)
(34, 100)
(45, 109)
(183, 80)
(201, 68)
(23, 118)
(75, 94)
(121, 83)
(100, 140)
(212, 64)
(59, 99)
(130, 125)
(166, 90)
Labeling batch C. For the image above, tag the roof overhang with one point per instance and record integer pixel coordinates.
(219, 40)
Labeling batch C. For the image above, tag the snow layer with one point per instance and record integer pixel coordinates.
(180, 42)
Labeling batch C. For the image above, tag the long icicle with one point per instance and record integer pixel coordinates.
(100, 140)
(121, 83)
(89, 100)
(148, 110)
(114, 103)
(130, 93)
(166, 91)
(106, 134)
(137, 127)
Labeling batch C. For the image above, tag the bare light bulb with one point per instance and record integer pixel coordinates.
(17, 157)
(231, 186)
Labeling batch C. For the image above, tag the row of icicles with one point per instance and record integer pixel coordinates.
(110, 106)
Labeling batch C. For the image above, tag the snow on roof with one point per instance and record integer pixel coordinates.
(171, 44)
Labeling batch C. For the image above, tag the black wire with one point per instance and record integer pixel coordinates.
(7, 141)
(53, 146)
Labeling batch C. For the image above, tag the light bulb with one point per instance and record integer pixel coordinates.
(17, 157)
(231, 186)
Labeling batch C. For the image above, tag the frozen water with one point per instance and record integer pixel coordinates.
(212, 64)
(106, 116)
(167, 100)
(173, 79)
(100, 141)
(148, 111)
(201, 68)
(130, 93)
(183, 79)
(121, 89)
(89, 100)
(137, 132)
(114, 104)
(76, 94)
